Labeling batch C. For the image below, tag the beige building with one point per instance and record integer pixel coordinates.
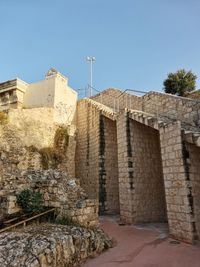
(12, 94)
(52, 92)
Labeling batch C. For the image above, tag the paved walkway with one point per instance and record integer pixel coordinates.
(144, 248)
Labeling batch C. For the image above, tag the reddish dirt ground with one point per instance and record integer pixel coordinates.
(143, 248)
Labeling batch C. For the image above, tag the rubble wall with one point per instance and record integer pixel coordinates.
(28, 132)
(30, 140)
(58, 190)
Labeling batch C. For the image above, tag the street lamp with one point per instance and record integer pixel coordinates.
(90, 60)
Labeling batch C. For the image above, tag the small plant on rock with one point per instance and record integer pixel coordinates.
(30, 201)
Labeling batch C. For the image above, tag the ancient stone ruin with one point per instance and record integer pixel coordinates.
(136, 156)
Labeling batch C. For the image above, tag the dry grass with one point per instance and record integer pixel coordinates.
(3, 118)
(51, 157)
(61, 138)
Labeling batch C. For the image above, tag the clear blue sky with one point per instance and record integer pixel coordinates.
(136, 43)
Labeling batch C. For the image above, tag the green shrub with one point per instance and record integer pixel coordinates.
(30, 201)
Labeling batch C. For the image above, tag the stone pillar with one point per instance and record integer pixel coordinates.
(125, 168)
(108, 172)
(194, 170)
(177, 183)
(87, 148)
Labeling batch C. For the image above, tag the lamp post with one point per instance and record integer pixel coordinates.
(90, 60)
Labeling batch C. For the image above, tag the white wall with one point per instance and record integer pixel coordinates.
(53, 92)
(40, 94)
(65, 102)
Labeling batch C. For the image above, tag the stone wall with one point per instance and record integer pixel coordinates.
(28, 138)
(31, 127)
(118, 158)
(57, 189)
(194, 171)
(96, 155)
(174, 107)
(66, 195)
(141, 188)
(177, 182)
(118, 100)
(125, 166)
(31, 140)
(160, 104)
(67, 162)
(108, 173)
(148, 185)
(87, 149)
(151, 146)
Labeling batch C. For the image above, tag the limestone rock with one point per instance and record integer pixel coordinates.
(51, 245)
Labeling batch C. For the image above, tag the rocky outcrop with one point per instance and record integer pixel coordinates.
(51, 245)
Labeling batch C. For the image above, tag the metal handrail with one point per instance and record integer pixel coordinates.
(116, 105)
(132, 90)
(26, 220)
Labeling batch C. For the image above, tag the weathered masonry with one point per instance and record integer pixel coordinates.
(134, 156)
(96, 154)
(37, 148)
(140, 157)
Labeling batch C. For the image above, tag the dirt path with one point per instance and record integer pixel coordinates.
(143, 248)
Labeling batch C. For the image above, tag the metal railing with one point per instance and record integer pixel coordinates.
(25, 221)
(128, 99)
(178, 113)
